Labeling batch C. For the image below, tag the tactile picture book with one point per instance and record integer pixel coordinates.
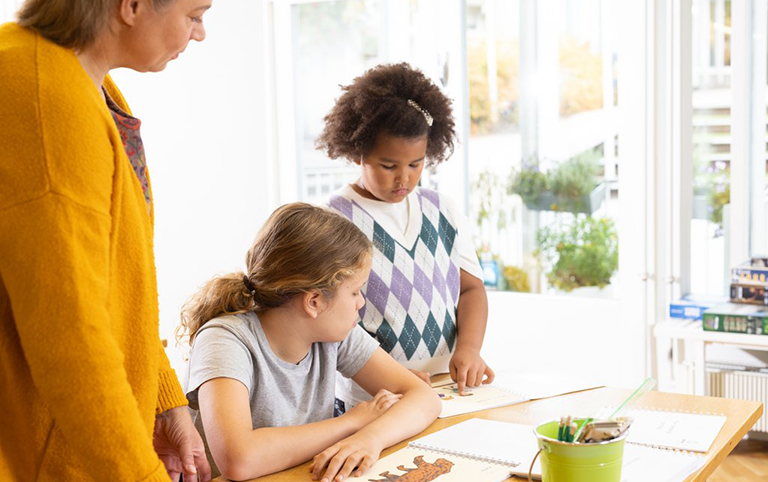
(508, 391)
(475, 450)
(475, 399)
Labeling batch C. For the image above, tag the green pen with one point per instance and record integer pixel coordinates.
(560, 430)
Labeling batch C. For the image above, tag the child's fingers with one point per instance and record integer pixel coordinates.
(382, 393)
(390, 401)
(349, 465)
(461, 381)
(423, 375)
(321, 460)
(489, 375)
(474, 375)
(365, 464)
(335, 465)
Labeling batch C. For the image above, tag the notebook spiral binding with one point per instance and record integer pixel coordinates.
(464, 455)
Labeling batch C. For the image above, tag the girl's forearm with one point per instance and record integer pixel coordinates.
(418, 408)
(268, 450)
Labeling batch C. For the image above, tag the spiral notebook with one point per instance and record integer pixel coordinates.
(663, 429)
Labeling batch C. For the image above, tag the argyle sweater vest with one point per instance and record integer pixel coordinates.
(413, 291)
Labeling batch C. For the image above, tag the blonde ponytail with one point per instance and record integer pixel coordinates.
(223, 295)
(301, 248)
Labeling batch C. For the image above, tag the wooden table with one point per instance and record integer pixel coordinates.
(741, 416)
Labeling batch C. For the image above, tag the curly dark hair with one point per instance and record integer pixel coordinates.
(377, 102)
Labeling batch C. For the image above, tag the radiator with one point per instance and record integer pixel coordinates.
(742, 385)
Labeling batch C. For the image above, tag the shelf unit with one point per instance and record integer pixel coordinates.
(691, 335)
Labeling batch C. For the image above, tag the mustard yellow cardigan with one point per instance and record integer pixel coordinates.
(82, 370)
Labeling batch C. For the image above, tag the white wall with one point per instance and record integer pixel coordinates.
(203, 126)
(573, 339)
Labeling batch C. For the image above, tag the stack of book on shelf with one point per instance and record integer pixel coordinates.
(747, 311)
(692, 307)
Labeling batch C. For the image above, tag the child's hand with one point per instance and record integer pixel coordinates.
(358, 450)
(467, 369)
(423, 375)
(366, 412)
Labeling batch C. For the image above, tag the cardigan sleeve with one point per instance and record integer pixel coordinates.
(170, 394)
(55, 267)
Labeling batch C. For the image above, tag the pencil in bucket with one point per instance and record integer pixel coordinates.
(577, 462)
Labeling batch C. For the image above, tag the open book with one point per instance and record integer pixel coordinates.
(485, 397)
(472, 451)
(490, 451)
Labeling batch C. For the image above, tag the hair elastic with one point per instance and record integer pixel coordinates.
(426, 115)
(249, 286)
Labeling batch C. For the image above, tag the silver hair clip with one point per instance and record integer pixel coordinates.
(424, 113)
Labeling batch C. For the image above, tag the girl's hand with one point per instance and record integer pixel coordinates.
(423, 375)
(467, 369)
(341, 458)
(366, 412)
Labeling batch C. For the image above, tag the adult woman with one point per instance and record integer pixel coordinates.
(88, 393)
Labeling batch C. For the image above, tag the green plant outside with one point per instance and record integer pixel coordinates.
(569, 182)
(582, 254)
(516, 279)
(529, 183)
(575, 178)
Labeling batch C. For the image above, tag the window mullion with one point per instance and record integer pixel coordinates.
(738, 219)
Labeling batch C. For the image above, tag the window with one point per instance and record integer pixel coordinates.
(320, 45)
(758, 172)
(729, 139)
(543, 96)
(711, 116)
(332, 42)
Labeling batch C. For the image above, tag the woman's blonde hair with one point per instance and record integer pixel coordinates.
(71, 23)
(301, 248)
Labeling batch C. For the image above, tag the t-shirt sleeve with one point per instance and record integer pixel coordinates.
(355, 351)
(467, 255)
(218, 352)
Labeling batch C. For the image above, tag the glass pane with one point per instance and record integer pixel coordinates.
(759, 158)
(543, 149)
(711, 102)
(334, 41)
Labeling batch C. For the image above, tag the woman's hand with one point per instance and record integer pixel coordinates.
(358, 450)
(366, 412)
(179, 446)
(467, 369)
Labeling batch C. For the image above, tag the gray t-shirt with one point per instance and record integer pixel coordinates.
(281, 393)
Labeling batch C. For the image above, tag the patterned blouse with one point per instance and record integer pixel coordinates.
(128, 127)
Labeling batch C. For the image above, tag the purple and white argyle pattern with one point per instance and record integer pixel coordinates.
(413, 292)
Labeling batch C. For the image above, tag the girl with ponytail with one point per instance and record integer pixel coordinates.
(266, 345)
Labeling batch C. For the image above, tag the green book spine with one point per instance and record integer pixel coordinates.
(734, 323)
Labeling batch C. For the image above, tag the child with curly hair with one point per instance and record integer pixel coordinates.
(424, 301)
(266, 347)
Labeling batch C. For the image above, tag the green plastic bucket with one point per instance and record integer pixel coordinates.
(572, 462)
